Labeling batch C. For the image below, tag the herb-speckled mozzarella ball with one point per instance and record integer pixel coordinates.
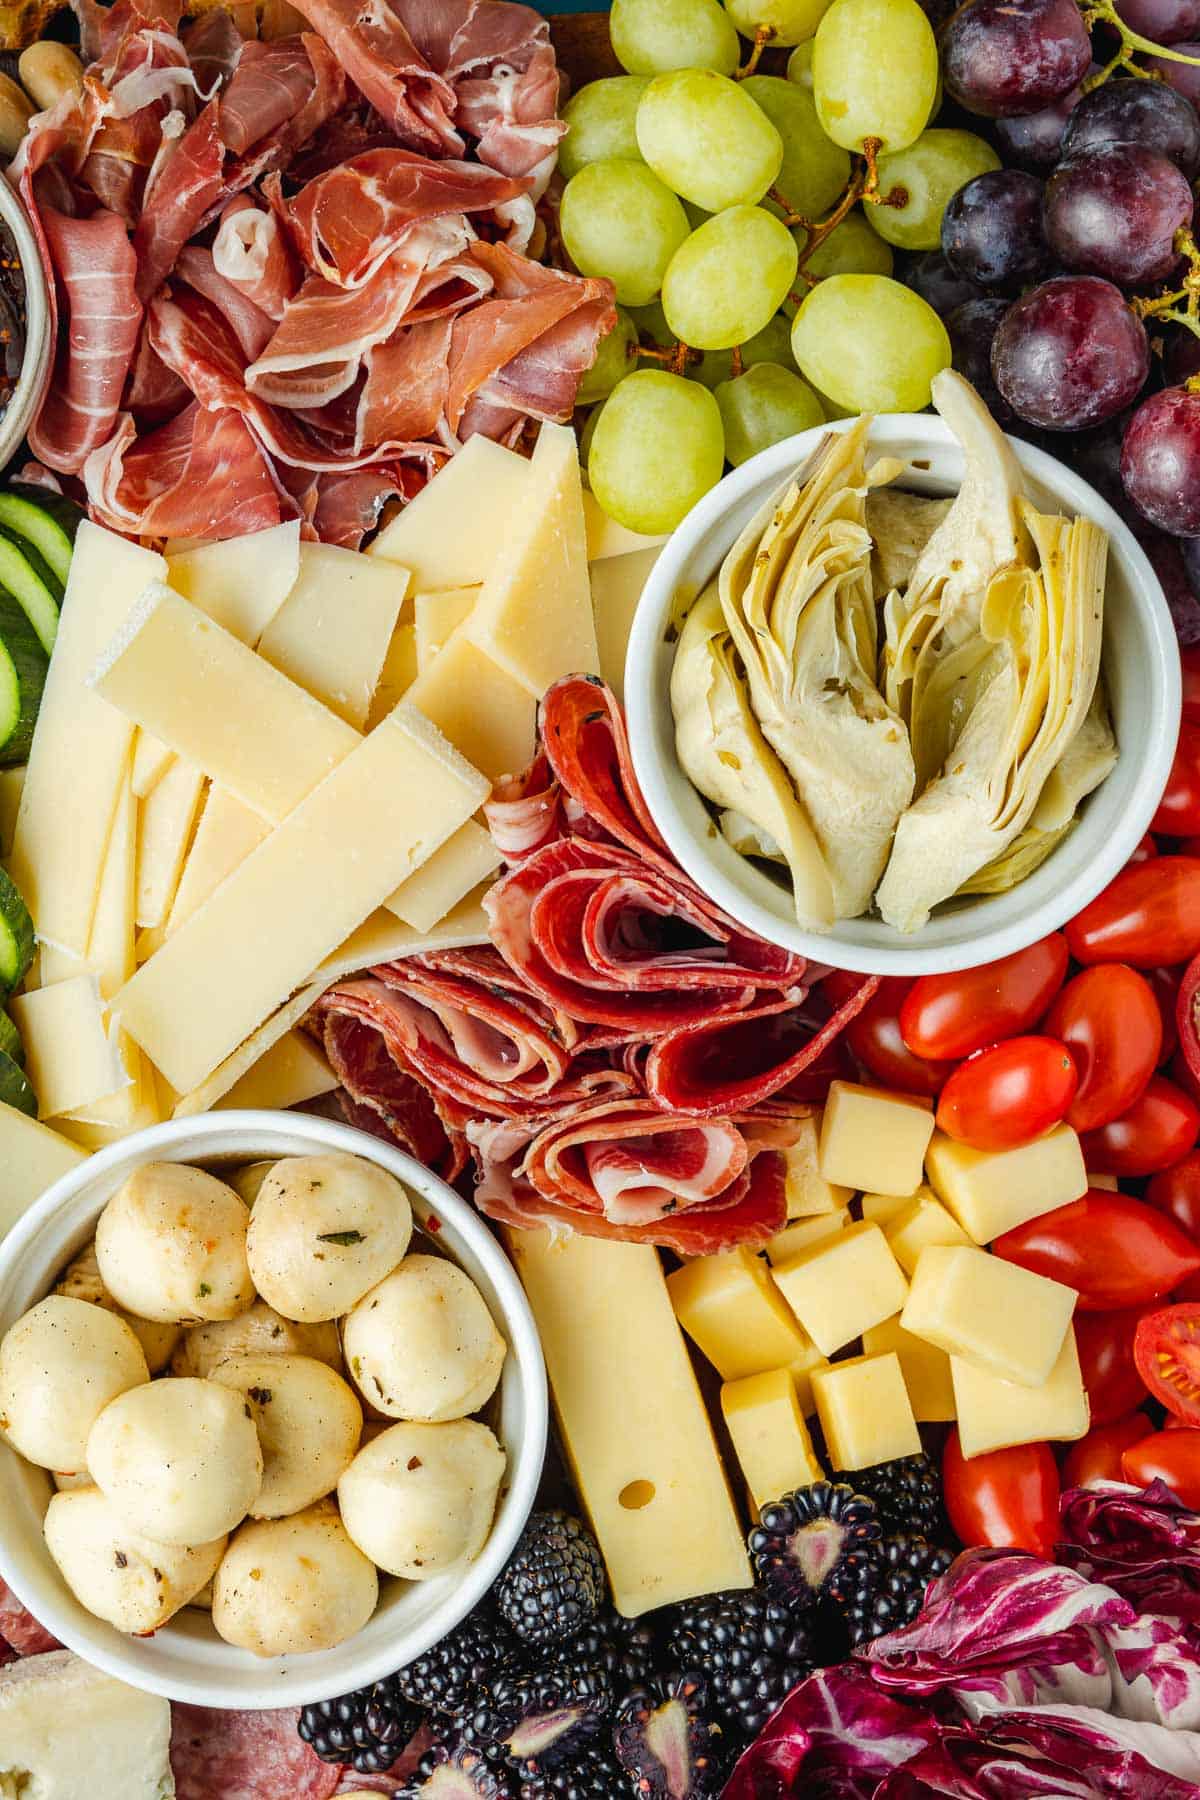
(423, 1345)
(420, 1499)
(309, 1423)
(259, 1332)
(171, 1245)
(323, 1231)
(286, 1586)
(247, 1180)
(180, 1460)
(82, 1282)
(60, 1366)
(132, 1581)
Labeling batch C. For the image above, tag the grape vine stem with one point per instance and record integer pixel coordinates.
(1104, 12)
(762, 37)
(1182, 305)
(863, 185)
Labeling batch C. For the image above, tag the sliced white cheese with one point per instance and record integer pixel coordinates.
(249, 1055)
(606, 538)
(241, 582)
(67, 1732)
(484, 711)
(133, 1107)
(68, 1055)
(111, 945)
(384, 938)
(451, 873)
(398, 673)
(166, 820)
(11, 783)
(289, 1073)
(449, 535)
(151, 760)
(436, 617)
(617, 585)
(225, 836)
(333, 632)
(32, 1159)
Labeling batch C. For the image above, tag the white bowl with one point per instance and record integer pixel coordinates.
(1141, 670)
(186, 1660)
(35, 367)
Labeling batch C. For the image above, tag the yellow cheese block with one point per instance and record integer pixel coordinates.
(841, 1287)
(377, 816)
(240, 582)
(732, 1311)
(480, 707)
(225, 836)
(633, 1424)
(873, 1140)
(166, 820)
(605, 538)
(808, 1192)
(11, 783)
(864, 1411)
(994, 1414)
(248, 1058)
(880, 1208)
(398, 673)
(1104, 1181)
(770, 1438)
(448, 536)
(925, 1368)
(989, 1312)
(32, 1159)
(384, 938)
(451, 873)
(289, 1073)
(68, 1055)
(111, 942)
(332, 634)
(151, 760)
(922, 1221)
(802, 1234)
(993, 1191)
(801, 1369)
(617, 585)
(436, 617)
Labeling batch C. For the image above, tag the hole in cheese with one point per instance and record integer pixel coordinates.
(636, 1494)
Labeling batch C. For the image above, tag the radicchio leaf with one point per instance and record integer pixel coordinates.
(837, 1734)
(1156, 1671)
(1145, 1544)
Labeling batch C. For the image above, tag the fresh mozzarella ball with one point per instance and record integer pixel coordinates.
(82, 1282)
(259, 1332)
(423, 1345)
(291, 1585)
(309, 1423)
(171, 1245)
(67, 1483)
(247, 1180)
(420, 1499)
(59, 1367)
(179, 1459)
(133, 1582)
(323, 1231)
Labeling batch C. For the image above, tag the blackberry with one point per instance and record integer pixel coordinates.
(907, 1495)
(752, 1650)
(446, 1678)
(595, 1774)
(626, 1650)
(538, 1718)
(367, 1729)
(891, 1591)
(456, 1773)
(554, 1583)
(815, 1541)
(668, 1740)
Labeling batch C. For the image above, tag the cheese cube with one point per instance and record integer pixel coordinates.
(842, 1287)
(864, 1410)
(769, 1435)
(993, 1191)
(925, 1368)
(995, 1414)
(873, 1140)
(802, 1368)
(879, 1208)
(802, 1234)
(1104, 1181)
(924, 1221)
(808, 1192)
(732, 1311)
(989, 1312)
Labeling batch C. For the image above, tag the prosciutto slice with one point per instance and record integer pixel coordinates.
(203, 475)
(252, 251)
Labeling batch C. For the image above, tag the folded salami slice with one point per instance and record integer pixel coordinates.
(245, 1756)
(584, 738)
(379, 1095)
(525, 813)
(20, 1630)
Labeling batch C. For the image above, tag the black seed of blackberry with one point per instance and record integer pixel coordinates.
(445, 1679)
(539, 1717)
(891, 1591)
(752, 1650)
(907, 1495)
(456, 1773)
(814, 1541)
(554, 1583)
(626, 1650)
(668, 1739)
(595, 1774)
(367, 1729)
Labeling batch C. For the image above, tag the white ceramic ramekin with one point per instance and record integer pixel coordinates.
(1141, 670)
(35, 368)
(186, 1660)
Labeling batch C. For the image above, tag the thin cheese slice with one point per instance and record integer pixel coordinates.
(606, 538)
(133, 1107)
(53, 965)
(332, 633)
(225, 836)
(149, 943)
(451, 873)
(166, 819)
(617, 585)
(289, 1073)
(375, 818)
(111, 946)
(11, 783)
(247, 727)
(249, 1055)
(80, 745)
(241, 582)
(384, 938)
(32, 1159)
(436, 617)
(534, 616)
(69, 1057)
(151, 760)
(449, 535)
(398, 673)
(480, 707)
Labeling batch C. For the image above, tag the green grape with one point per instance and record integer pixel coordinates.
(869, 343)
(588, 433)
(851, 248)
(706, 138)
(656, 449)
(729, 278)
(799, 67)
(763, 406)
(613, 361)
(617, 219)
(875, 72)
(649, 36)
(651, 322)
(788, 21)
(814, 170)
(929, 172)
(600, 120)
(773, 344)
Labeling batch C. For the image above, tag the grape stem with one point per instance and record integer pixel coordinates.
(1105, 12)
(863, 185)
(1182, 305)
(762, 37)
(675, 357)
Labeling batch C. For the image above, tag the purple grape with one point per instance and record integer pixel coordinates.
(938, 285)
(1182, 589)
(1180, 354)
(971, 329)
(1160, 461)
(1070, 353)
(1147, 113)
(1162, 21)
(1115, 211)
(1184, 78)
(1032, 141)
(1002, 59)
(992, 230)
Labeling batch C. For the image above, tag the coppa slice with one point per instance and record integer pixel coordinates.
(244, 1756)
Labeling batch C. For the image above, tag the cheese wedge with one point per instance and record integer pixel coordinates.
(617, 585)
(33, 1158)
(289, 1073)
(449, 534)
(151, 760)
(384, 938)
(436, 617)
(451, 873)
(70, 1059)
(484, 711)
(225, 836)
(332, 634)
(398, 673)
(240, 582)
(11, 783)
(249, 1057)
(166, 820)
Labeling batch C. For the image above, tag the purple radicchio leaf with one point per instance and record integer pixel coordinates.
(1156, 1671)
(1145, 1544)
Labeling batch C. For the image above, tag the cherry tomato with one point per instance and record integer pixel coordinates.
(1160, 1127)
(1009, 1094)
(1187, 1016)
(1178, 812)
(874, 1037)
(1109, 1020)
(1164, 984)
(1148, 916)
(1143, 850)
(1190, 661)
(1097, 1457)
(1115, 1251)
(1176, 1192)
(1110, 1375)
(953, 1015)
(1167, 1349)
(1183, 1078)
(1170, 1456)
(1007, 1498)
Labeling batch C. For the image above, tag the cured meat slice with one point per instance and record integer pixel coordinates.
(268, 87)
(245, 1756)
(523, 814)
(372, 44)
(349, 505)
(383, 1097)
(20, 1630)
(184, 191)
(404, 395)
(583, 735)
(251, 251)
(250, 325)
(203, 475)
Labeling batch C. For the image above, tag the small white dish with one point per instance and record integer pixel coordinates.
(35, 365)
(186, 1660)
(1141, 671)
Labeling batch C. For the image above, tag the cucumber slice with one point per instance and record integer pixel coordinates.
(29, 589)
(16, 935)
(67, 514)
(23, 668)
(14, 1087)
(32, 520)
(36, 561)
(10, 1041)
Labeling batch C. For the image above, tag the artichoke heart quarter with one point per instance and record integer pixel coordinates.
(797, 598)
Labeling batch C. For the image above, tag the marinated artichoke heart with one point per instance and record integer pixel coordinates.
(901, 525)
